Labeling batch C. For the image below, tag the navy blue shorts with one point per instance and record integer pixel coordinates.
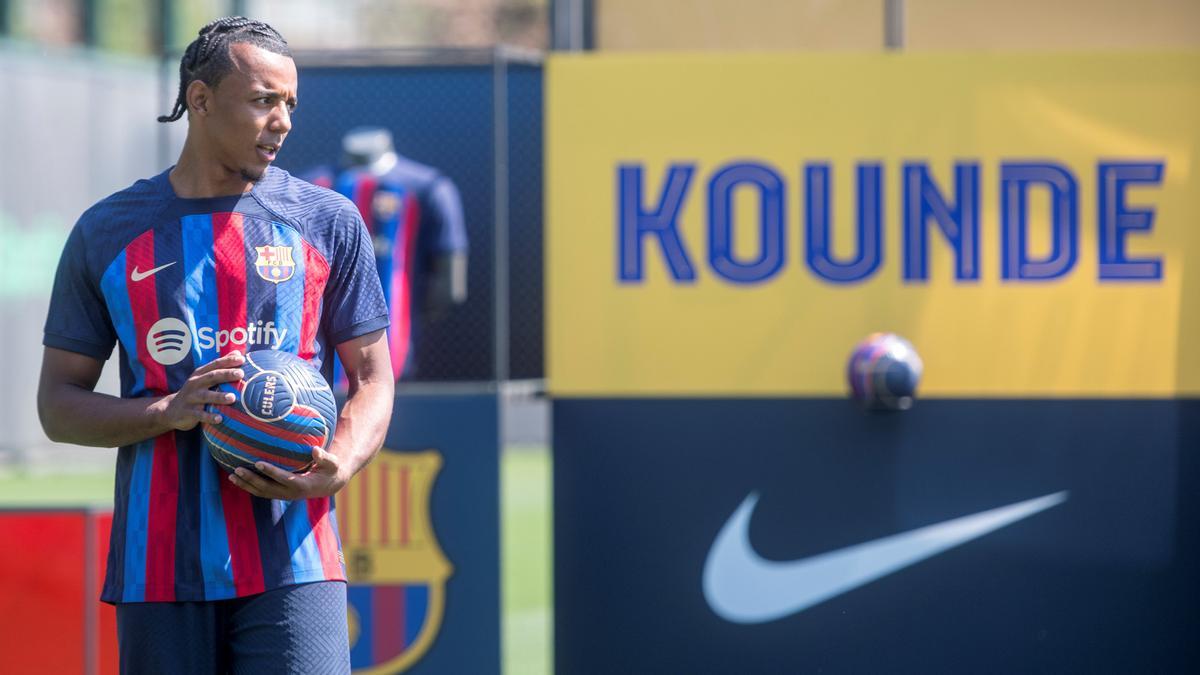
(295, 629)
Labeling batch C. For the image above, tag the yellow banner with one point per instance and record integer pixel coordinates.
(733, 225)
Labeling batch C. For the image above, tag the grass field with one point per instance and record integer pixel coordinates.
(526, 561)
(525, 554)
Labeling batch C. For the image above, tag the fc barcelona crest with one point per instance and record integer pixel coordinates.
(275, 263)
(386, 204)
(396, 568)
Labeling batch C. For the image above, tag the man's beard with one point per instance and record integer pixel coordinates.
(252, 178)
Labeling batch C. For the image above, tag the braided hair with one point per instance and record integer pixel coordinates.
(207, 59)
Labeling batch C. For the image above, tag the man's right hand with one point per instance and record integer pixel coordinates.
(184, 409)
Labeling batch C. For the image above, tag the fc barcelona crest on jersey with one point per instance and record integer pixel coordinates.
(275, 263)
(386, 204)
(397, 571)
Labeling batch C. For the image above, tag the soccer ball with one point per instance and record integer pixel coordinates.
(883, 372)
(283, 408)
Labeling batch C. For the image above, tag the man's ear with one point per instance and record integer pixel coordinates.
(198, 97)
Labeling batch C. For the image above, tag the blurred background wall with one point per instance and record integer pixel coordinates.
(74, 126)
(133, 26)
(821, 25)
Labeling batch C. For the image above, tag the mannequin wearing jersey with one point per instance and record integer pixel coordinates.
(414, 215)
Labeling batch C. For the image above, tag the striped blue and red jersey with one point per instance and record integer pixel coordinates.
(414, 214)
(175, 283)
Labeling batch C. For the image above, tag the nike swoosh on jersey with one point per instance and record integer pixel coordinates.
(742, 587)
(135, 275)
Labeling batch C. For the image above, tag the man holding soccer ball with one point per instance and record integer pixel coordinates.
(187, 271)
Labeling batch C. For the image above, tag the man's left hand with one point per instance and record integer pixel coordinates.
(322, 479)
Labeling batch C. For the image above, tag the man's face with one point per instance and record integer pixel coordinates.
(250, 110)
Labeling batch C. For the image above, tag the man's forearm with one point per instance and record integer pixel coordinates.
(362, 426)
(72, 414)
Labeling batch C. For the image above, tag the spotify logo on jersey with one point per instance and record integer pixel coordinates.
(168, 341)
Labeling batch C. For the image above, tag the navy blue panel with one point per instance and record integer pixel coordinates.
(1106, 581)
(525, 212)
(465, 512)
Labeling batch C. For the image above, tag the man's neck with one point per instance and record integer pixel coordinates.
(197, 177)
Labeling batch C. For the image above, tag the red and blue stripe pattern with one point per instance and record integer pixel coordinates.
(396, 273)
(149, 524)
(390, 620)
(182, 531)
(394, 258)
(201, 298)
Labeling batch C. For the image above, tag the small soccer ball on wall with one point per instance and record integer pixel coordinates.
(883, 372)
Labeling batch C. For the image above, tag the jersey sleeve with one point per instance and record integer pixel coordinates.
(354, 304)
(445, 217)
(78, 319)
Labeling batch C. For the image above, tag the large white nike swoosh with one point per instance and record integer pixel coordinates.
(742, 587)
(138, 276)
